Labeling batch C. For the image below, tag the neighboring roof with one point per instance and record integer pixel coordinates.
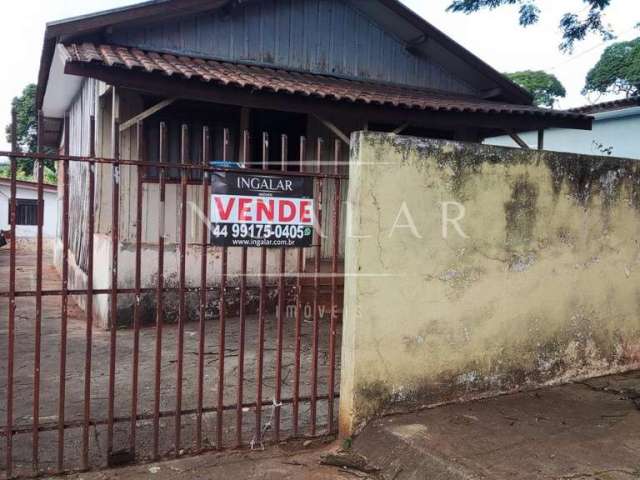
(392, 13)
(28, 184)
(608, 106)
(296, 83)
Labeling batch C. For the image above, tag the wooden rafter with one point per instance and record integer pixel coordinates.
(339, 133)
(146, 114)
(516, 138)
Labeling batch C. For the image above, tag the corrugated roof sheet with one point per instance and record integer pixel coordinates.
(296, 83)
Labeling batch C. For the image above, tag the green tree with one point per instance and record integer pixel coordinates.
(617, 71)
(574, 27)
(27, 126)
(545, 87)
(27, 136)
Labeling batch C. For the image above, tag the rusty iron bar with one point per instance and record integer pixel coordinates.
(127, 291)
(334, 284)
(316, 292)
(206, 154)
(243, 313)
(298, 326)
(182, 305)
(163, 149)
(11, 330)
(284, 152)
(222, 316)
(53, 426)
(37, 354)
(135, 163)
(89, 299)
(261, 310)
(65, 297)
(115, 242)
(137, 285)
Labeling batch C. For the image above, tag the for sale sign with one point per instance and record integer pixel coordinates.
(261, 210)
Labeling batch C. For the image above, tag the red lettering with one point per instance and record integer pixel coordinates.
(265, 211)
(305, 211)
(285, 216)
(244, 210)
(223, 212)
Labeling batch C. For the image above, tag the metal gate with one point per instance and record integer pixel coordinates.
(260, 367)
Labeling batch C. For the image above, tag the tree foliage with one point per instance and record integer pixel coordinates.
(545, 87)
(617, 71)
(27, 135)
(574, 27)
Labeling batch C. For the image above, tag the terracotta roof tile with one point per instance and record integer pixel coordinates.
(308, 84)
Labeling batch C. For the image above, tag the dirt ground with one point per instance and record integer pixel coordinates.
(49, 393)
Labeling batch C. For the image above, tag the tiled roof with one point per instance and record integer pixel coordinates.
(296, 83)
(608, 106)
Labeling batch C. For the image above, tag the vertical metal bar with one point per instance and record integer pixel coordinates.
(160, 288)
(261, 310)
(12, 301)
(334, 283)
(89, 300)
(243, 312)
(65, 296)
(281, 309)
(206, 154)
(298, 328)
(184, 159)
(221, 311)
(316, 288)
(115, 241)
(35, 440)
(137, 286)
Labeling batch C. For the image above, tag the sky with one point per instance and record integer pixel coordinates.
(494, 36)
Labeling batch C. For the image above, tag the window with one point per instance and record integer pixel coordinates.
(26, 212)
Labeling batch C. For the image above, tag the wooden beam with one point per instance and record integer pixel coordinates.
(334, 129)
(146, 114)
(358, 113)
(516, 138)
(541, 139)
(400, 129)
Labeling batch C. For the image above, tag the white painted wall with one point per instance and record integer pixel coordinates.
(618, 129)
(50, 210)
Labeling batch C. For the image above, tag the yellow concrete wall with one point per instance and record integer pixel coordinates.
(544, 288)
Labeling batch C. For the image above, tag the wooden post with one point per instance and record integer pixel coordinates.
(245, 125)
(541, 139)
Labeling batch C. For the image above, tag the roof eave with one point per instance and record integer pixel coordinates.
(195, 89)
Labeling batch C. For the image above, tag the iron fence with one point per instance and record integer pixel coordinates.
(50, 311)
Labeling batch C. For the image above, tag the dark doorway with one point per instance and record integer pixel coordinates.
(276, 124)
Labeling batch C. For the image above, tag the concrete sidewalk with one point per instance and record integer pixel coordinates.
(588, 430)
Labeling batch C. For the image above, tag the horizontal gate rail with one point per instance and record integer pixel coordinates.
(265, 366)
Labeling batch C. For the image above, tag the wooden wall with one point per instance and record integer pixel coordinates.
(321, 36)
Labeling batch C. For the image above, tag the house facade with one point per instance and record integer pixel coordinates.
(27, 208)
(612, 133)
(112, 81)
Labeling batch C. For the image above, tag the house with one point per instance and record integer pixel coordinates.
(312, 68)
(27, 208)
(614, 124)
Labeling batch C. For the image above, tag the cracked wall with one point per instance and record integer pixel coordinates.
(540, 286)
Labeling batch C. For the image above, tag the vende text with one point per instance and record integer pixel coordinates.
(259, 210)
